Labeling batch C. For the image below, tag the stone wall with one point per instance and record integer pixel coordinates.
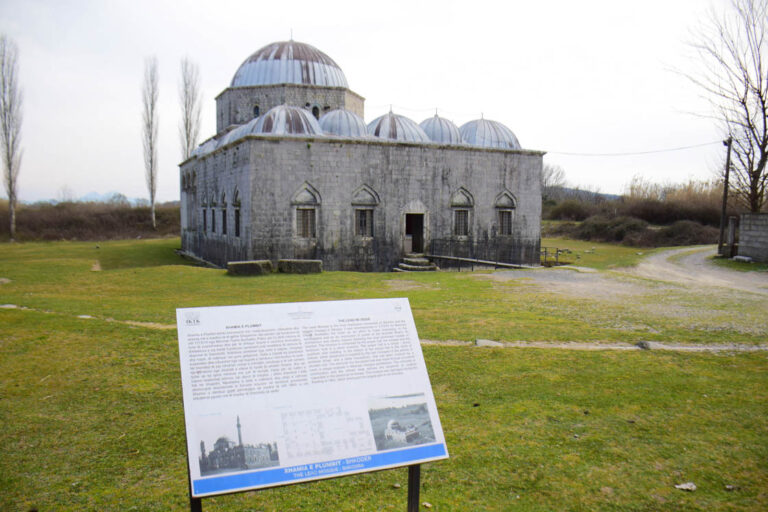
(284, 174)
(236, 104)
(753, 236)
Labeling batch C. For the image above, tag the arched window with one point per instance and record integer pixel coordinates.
(205, 211)
(213, 213)
(505, 207)
(236, 208)
(364, 202)
(316, 112)
(306, 203)
(462, 204)
(223, 213)
(256, 111)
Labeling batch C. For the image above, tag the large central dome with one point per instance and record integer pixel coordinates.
(289, 62)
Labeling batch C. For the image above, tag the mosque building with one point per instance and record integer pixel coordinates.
(294, 172)
(230, 456)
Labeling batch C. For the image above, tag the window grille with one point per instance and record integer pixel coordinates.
(364, 222)
(461, 222)
(505, 222)
(305, 222)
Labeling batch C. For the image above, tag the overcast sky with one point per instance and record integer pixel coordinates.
(567, 77)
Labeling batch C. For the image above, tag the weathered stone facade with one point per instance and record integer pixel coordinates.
(238, 105)
(753, 236)
(260, 191)
(336, 178)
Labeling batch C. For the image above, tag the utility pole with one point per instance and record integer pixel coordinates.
(725, 196)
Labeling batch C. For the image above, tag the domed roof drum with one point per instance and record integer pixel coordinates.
(441, 130)
(395, 127)
(489, 134)
(287, 120)
(344, 123)
(289, 62)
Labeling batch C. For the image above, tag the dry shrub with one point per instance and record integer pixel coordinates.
(699, 201)
(683, 232)
(90, 221)
(637, 232)
(572, 209)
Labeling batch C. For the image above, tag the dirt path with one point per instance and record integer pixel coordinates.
(580, 345)
(687, 267)
(693, 268)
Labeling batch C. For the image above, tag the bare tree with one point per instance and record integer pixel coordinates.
(552, 177)
(189, 98)
(733, 47)
(10, 124)
(150, 120)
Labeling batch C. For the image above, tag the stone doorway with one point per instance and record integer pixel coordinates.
(414, 233)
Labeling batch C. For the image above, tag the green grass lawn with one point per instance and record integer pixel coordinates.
(92, 419)
(597, 255)
(740, 265)
(145, 281)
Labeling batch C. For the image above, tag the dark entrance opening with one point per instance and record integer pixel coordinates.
(414, 232)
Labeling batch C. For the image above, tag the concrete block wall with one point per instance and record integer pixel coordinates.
(753, 236)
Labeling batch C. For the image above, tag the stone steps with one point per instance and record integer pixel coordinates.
(415, 263)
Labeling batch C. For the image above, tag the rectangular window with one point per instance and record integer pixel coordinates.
(213, 220)
(237, 221)
(364, 222)
(205, 220)
(223, 221)
(461, 222)
(305, 222)
(505, 222)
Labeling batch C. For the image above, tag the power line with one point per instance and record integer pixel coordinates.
(635, 153)
(564, 153)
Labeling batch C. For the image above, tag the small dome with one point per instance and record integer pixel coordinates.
(395, 127)
(289, 62)
(441, 130)
(236, 133)
(287, 120)
(489, 134)
(205, 148)
(344, 123)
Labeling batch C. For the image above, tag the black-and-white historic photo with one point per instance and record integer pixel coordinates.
(229, 456)
(400, 421)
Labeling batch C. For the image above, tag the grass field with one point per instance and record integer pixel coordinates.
(92, 419)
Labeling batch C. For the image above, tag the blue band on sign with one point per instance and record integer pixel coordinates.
(317, 470)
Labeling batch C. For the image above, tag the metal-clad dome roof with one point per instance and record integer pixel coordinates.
(287, 120)
(396, 127)
(205, 148)
(489, 134)
(344, 123)
(289, 62)
(441, 130)
(236, 133)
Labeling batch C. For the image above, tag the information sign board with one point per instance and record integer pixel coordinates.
(286, 393)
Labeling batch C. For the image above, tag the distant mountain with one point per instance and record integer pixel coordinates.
(95, 197)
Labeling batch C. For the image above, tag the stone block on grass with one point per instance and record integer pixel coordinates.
(300, 266)
(249, 268)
